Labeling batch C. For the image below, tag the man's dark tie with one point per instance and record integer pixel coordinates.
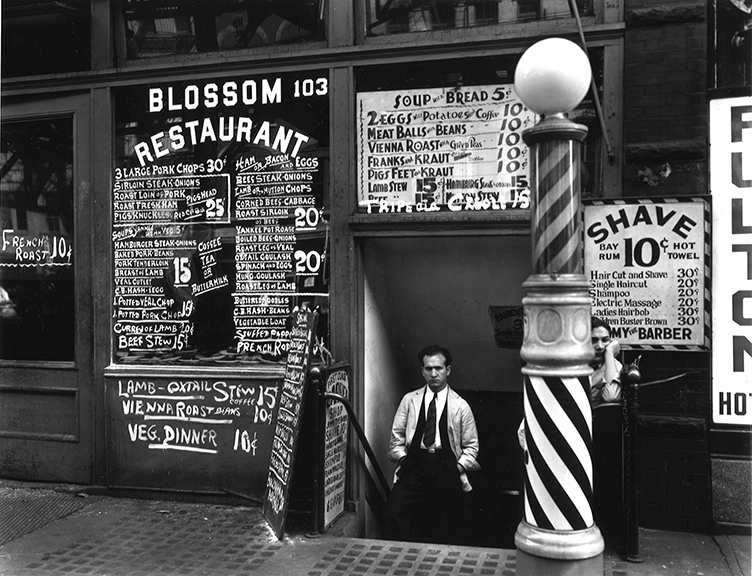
(429, 434)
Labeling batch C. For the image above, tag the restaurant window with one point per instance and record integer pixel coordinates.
(36, 249)
(42, 37)
(156, 28)
(220, 218)
(448, 138)
(396, 16)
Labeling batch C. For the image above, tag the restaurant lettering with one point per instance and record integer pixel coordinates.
(218, 220)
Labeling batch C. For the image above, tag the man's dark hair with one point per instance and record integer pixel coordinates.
(596, 322)
(433, 350)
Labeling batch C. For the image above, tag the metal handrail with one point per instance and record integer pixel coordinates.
(362, 437)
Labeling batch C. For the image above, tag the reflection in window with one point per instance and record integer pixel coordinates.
(395, 16)
(36, 249)
(45, 37)
(166, 27)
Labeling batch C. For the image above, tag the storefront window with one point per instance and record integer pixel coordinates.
(36, 249)
(448, 138)
(41, 37)
(220, 218)
(395, 16)
(731, 51)
(166, 27)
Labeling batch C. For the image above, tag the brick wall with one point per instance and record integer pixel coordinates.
(665, 98)
(673, 463)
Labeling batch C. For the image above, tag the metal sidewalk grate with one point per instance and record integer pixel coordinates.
(166, 538)
(392, 559)
(27, 509)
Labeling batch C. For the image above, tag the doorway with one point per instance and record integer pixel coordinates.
(441, 290)
(46, 372)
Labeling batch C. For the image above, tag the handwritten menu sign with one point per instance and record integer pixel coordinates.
(218, 218)
(335, 443)
(191, 432)
(451, 149)
(646, 261)
(285, 442)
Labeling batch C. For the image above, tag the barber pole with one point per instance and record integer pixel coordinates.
(558, 513)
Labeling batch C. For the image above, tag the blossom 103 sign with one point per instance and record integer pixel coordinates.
(647, 261)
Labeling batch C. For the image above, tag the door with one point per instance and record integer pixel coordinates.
(45, 291)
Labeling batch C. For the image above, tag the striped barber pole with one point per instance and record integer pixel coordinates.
(556, 216)
(557, 348)
(559, 469)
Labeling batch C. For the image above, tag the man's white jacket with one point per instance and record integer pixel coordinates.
(463, 434)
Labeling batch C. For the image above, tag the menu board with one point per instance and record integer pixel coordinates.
(337, 381)
(219, 218)
(285, 442)
(442, 149)
(647, 264)
(191, 432)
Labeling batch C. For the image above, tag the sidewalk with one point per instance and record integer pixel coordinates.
(45, 531)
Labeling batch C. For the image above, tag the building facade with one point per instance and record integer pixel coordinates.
(179, 177)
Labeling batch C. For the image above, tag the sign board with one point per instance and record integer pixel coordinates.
(508, 325)
(647, 261)
(442, 149)
(731, 189)
(193, 432)
(217, 211)
(289, 415)
(337, 427)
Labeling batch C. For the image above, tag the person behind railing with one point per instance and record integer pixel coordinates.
(605, 381)
(434, 442)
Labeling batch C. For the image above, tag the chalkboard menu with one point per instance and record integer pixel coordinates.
(219, 213)
(647, 261)
(285, 441)
(452, 149)
(193, 432)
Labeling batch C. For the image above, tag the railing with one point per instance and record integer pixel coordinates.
(631, 410)
(320, 419)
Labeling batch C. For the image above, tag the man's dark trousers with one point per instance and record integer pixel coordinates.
(425, 504)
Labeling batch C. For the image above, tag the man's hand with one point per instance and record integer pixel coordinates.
(613, 347)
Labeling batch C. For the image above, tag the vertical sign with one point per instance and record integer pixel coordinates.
(290, 412)
(731, 189)
(646, 261)
(335, 444)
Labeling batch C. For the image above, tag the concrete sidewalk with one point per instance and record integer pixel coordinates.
(62, 531)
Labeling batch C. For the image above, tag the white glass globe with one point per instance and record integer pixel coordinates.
(552, 76)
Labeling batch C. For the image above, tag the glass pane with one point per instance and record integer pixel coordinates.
(396, 16)
(220, 218)
(36, 249)
(166, 27)
(731, 52)
(41, 37)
